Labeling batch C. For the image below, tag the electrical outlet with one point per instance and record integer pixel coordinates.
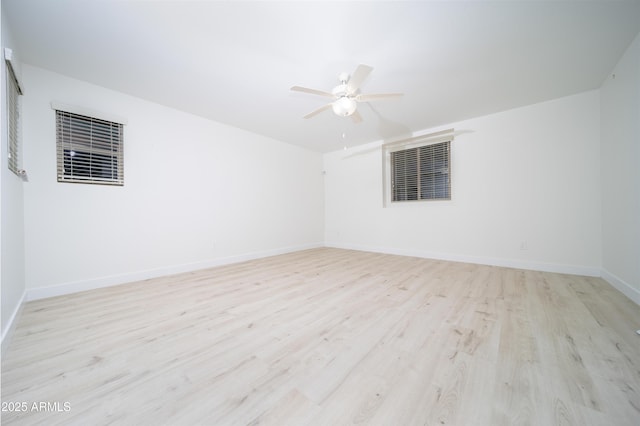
(524, 245)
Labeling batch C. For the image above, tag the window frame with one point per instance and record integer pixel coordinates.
(13, 93)
(98, 142)
(389, 150)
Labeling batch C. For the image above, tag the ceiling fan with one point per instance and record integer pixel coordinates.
(346, 95)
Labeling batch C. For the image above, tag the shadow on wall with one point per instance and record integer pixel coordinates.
(390, 131)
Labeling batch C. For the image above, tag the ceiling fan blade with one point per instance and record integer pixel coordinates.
(377, 96)
(358, 76)
(318, 111)
(356, 117)
(312, 91)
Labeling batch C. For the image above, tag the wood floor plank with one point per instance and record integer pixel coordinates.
(326, 337)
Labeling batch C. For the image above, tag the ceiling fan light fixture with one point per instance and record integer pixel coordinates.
(344, 106)
(346, 95)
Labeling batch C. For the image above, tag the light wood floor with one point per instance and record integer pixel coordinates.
(331, 337)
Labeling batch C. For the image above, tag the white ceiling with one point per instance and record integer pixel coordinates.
(234, 61)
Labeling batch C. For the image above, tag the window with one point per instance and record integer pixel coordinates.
(418, 168)
(89, 150)
(421, 173)
(13, 116)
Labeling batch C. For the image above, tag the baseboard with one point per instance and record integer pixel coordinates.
(7, 333)
(74, 287)
(622, 286)
(506, 263)
(92, 284)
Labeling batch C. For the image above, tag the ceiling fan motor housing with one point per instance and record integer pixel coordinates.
(340, 90)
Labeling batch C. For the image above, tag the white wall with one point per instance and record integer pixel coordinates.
(621, 173)
(12, 227)
(197, 193)
(529, 175)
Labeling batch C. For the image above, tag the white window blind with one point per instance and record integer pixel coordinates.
(89, 150)
(13, 116)
(421, 173)
(418, 168)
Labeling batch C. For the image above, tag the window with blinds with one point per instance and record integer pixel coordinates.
(421, 173)
(89, 150)
(417, 168)
(13, 119)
